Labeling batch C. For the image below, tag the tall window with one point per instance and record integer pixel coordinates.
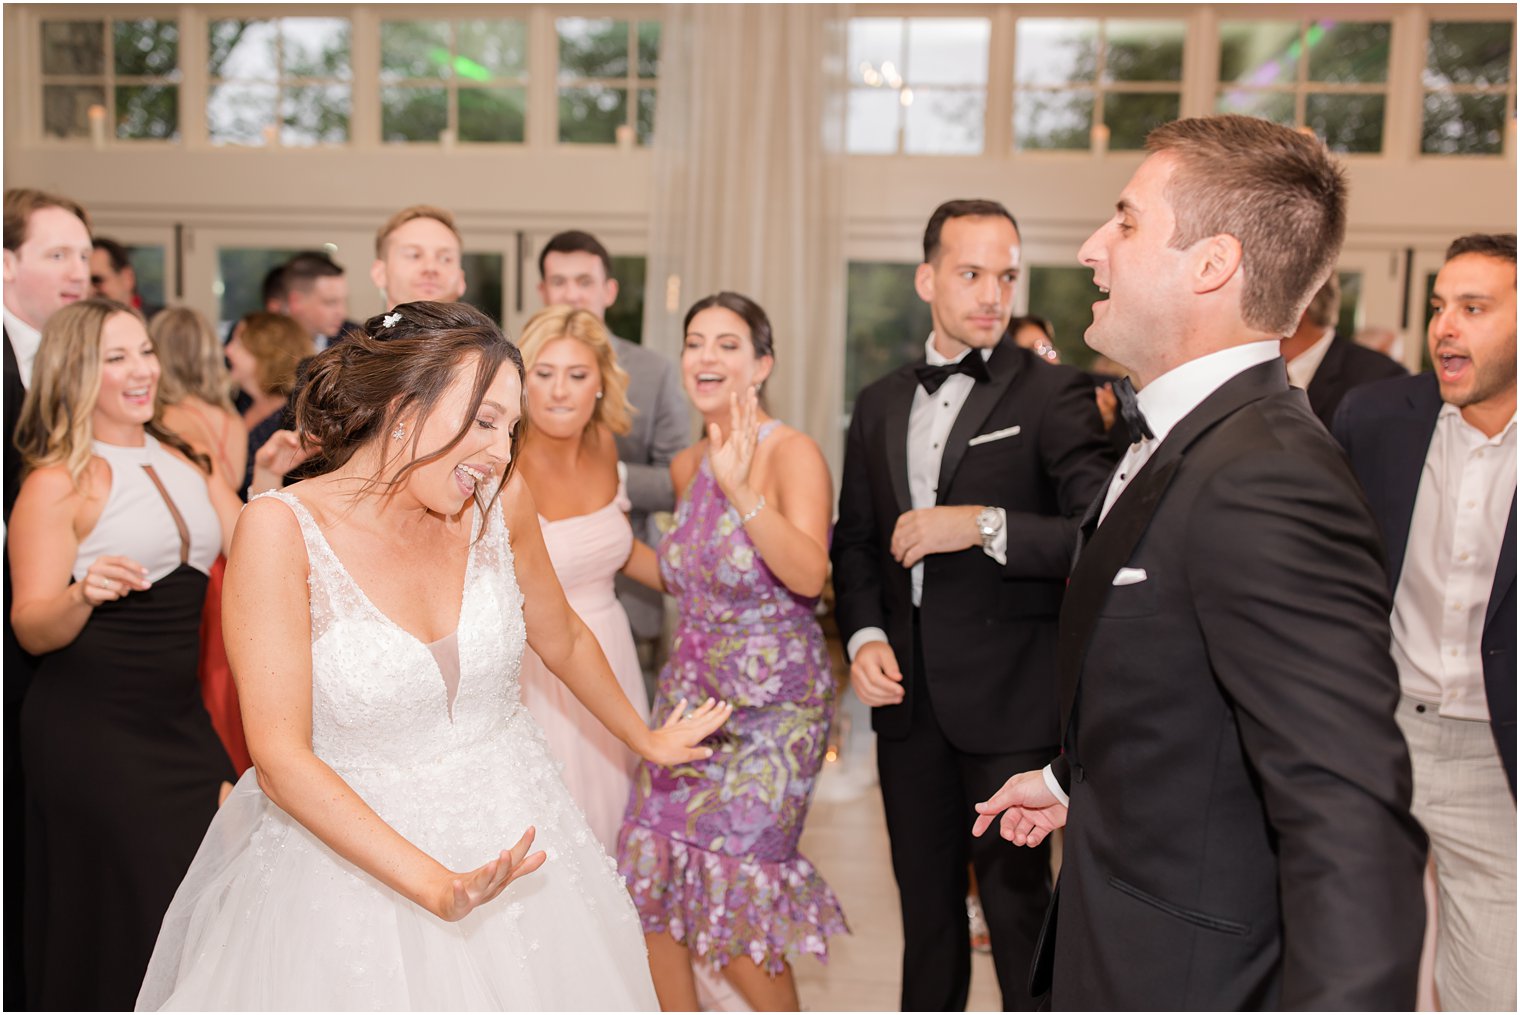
(1469, 87)
(1330, 76)
(607, 80)
(469, 78)
(917, 86)
(118, 77)
(1082, 82)
(279, 82)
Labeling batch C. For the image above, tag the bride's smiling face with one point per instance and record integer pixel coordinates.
(446, 485)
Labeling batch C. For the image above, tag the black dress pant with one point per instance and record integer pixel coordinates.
(929, 788)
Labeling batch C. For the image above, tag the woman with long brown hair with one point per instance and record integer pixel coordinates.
(116, 525)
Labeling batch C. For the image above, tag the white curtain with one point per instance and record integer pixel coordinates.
(748, 158)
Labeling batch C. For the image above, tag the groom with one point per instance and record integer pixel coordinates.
(1239, 834)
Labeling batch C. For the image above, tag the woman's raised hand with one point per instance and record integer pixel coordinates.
(731, 458)
(676, 741)
(465, 892)
(109, 578)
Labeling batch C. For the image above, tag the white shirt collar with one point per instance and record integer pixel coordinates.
(24, 342)
(1170, 397)
(1302, 368)
(937, 359)
(1450, 415)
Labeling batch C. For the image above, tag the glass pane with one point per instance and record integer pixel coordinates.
(1348, 123)
(414, 49)
(592, 114)
(1131, 116)
(872, 126)
(947, 51)
(1258, 52)
(147, 48)
(874, 44)
(1064, 296)
(148, 266)
(1274, 106)
(413, 114)
(66, 109)
(147, 111)
(73, 47)
(1144, 50)
(482, 280)
(1052, 51)
(625, 318)
(315, 114)
(1463, 125)
(316, 47)
(1045, 120)
(885, 323)
(1351, 300)
(1468, 53)
(245, 50)
(238, 113)
(492, 114)
(944, 122)
(644, 116)
(1351, 52)
(592, 48)
(240, 275)
(649, 50)
(492, 49)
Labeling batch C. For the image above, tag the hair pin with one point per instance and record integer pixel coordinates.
(389, 321)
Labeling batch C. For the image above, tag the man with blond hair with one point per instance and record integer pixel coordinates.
(419, 256)
(1239, 832)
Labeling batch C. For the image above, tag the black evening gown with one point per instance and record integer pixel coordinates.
(122, 770)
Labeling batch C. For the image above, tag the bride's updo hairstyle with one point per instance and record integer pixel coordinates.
(356, 391)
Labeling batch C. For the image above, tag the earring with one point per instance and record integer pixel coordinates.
(598, 394)
(399, 434)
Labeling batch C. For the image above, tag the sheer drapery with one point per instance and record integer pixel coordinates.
(748, 160)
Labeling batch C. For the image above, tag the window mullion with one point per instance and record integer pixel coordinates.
(194, 78)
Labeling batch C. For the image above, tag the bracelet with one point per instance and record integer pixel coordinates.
(749, 515)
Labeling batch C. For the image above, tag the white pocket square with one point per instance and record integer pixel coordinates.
(995, 435)
(1130, 576)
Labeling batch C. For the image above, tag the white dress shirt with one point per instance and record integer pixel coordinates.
(24, 342)
(1460, 514)
(929, 422)
(1302, 368)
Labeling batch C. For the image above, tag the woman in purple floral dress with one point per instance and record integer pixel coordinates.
(709, 850)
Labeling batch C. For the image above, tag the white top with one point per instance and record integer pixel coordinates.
(1301, 368)
(1460, 514)
(930, 420)
(137, 522)
(1170, 397)
(25, 340)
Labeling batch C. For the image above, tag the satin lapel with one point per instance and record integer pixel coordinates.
(1002, 367)
(1089, 522)
(1113, 543)
(899, 404)
(1504, 573)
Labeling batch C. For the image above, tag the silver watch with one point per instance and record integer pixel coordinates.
(989, 522)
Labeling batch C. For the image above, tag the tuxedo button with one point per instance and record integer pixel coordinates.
(1419, 708)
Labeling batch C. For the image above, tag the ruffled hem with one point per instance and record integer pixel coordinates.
(724, 907)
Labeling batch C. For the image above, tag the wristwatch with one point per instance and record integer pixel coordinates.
(989, 522)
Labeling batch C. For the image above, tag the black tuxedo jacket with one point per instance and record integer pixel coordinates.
(1028, 440)
(1386, 430)
(1346, 365)
(1239, 834)
(18, 664)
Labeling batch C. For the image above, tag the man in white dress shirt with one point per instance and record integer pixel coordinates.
(1436, 455)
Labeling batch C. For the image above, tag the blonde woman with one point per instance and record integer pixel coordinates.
(115, 527)
(576, 398)
(264, 352)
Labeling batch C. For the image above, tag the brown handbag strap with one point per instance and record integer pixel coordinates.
(179, 519)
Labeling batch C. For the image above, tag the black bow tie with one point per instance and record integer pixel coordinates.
(1129, 409)
(971, 364)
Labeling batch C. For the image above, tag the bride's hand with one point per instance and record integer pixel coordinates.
(465, 892)
(677, 740)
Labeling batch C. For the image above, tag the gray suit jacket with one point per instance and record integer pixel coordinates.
(661, 428)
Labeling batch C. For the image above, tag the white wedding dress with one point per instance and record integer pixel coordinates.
(269, 917)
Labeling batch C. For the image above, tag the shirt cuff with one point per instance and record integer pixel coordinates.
(1054, 786)
(998, 551)
(862, 637)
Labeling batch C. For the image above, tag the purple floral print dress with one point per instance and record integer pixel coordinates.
(709, 849)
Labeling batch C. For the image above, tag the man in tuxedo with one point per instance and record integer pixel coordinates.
(311, 289)
(1436, 455)
(575, 269)
(418, 256)
(1325, 364)
(1239, 833)
(47, 267)
(964, 476)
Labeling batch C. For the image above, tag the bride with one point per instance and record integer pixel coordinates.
(375, 617)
